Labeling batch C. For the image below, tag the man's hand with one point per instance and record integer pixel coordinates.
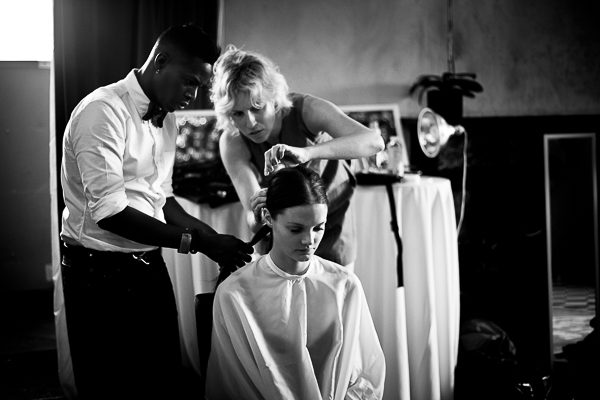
(226, 250)
(282, 155)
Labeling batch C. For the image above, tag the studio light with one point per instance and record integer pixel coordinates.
(433, 133)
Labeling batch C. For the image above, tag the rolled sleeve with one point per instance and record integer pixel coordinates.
(99, 147)
(108, 206)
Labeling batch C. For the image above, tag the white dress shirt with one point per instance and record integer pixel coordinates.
(282, 336)
(113, 159)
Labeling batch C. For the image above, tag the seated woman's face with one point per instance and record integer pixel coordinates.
(297, 231)
(254, 123)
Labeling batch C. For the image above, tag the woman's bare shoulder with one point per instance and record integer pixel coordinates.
(231, 143)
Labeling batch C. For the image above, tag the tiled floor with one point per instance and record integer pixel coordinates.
(573, 307)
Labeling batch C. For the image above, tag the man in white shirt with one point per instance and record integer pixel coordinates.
(118, 155)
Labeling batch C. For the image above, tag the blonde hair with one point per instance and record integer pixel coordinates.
(237, 71)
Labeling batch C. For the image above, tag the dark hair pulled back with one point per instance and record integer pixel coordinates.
(294, 186)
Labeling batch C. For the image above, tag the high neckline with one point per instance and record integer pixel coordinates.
(284, 274)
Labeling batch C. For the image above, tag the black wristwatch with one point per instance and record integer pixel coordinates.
(186, 241)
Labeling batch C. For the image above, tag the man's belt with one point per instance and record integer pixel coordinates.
(81, 253)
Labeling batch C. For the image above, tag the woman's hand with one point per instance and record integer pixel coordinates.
(258, 201)
(282, 155)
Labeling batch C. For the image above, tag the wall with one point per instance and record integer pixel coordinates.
(25, 248)
(536, 57)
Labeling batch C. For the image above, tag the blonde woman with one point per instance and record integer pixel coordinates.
(266, 126)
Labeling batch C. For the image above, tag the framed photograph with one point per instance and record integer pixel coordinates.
(385, 118)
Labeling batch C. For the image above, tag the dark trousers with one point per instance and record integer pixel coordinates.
(122, 324)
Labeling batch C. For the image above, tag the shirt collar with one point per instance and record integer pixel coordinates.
(284, 274)
(140, 100)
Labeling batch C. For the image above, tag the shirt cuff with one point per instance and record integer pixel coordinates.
(108, 206)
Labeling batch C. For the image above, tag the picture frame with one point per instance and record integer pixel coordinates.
(386, 118)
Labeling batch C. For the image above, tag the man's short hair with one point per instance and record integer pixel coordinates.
(191, 40)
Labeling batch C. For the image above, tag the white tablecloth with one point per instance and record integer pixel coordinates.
(418, 325)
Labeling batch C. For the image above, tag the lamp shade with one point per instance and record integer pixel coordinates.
(433, 132)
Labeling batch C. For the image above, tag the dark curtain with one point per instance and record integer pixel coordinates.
(97, 42)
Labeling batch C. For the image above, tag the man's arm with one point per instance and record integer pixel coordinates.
(139, 227)
(176, 215)
(227, 250)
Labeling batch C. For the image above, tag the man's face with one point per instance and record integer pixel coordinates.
(176, 83)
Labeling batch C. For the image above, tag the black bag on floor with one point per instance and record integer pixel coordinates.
(488, 367)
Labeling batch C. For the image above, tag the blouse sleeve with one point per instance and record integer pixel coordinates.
(368, 370)
(231, 372)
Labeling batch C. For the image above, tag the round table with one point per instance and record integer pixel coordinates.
(418, 325)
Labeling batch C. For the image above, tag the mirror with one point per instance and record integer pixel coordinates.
(571, 234)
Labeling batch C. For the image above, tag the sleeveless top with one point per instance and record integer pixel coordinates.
(339, 241)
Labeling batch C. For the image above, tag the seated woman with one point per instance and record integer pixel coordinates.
(292, 325)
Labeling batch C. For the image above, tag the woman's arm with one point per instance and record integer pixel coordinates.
(351, 139)
(236, 159)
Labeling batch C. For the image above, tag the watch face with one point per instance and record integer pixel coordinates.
(186, 242)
